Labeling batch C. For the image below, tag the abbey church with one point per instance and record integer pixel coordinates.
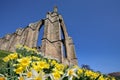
(56, 42)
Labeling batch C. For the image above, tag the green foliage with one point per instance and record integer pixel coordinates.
(2, 63)
(117, 78)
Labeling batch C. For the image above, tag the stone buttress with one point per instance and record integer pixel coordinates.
(56, 43)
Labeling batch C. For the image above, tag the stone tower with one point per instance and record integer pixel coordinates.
(55, 42)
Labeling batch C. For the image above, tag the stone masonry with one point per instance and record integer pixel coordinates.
(55, 42)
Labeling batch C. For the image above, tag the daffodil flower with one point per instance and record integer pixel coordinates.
(2, 77)
(71, 72)
(35, 75)
(25, 61)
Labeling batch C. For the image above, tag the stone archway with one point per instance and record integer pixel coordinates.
(52, 43)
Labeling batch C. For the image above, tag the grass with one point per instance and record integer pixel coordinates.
(2, 55)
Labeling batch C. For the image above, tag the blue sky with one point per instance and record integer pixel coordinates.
(94, 26)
